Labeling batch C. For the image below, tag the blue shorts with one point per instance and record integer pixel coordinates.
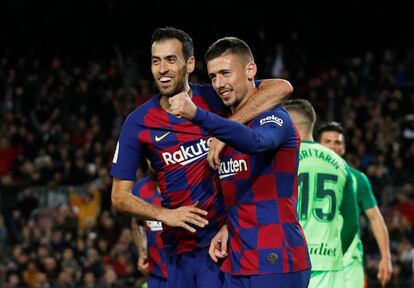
(275, 280)
(155, 281)
(194, 269)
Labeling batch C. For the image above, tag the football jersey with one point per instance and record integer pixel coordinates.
(324, 180)
(258, 174)
(177, 150)
(157, 262)
(366, 200)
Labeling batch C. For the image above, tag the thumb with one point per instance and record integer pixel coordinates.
(223, 247)
(195, 204)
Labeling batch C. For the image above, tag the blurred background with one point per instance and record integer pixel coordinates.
(70, 71)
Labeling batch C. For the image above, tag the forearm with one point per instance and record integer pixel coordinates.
(123, 201)
(380, 231)
(137, 236)
(239, 136)
(270, 93)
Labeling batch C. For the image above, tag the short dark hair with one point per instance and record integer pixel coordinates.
(329, 127)
(303, 107)
(229, 45)
(166, 33)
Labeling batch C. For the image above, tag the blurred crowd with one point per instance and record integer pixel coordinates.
(60, 119)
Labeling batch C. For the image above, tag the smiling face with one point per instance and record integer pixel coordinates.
(231, 77)
(169, 67)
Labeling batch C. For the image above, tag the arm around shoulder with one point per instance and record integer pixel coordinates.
(269, 94)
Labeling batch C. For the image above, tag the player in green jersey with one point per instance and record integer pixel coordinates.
(327, 207)
(331, 135)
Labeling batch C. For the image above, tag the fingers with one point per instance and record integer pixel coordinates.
(213, 157)
(187, 227)
(193, 209)
(143, 265)
(384, 272)
(176, 103)
(215, 149)
(181, 105)
(223, 248)
(216, 159)
(211, 251)
(386, 278)
(210, 159)
(220, 254)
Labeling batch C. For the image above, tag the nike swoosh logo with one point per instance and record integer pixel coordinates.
(159, 138)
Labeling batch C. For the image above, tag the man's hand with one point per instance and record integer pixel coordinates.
(181, 105)
(384, 271)
(183, 216)
(214, 150)
(142, 264)
(218, 245)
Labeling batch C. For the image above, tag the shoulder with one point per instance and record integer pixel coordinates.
(137, 115)
(206, 97)
(359, 175)
(203, 89)
(277, 115)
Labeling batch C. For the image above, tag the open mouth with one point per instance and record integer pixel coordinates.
(165, 81)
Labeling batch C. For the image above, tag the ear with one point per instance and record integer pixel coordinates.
(251, 70)
(190, 64)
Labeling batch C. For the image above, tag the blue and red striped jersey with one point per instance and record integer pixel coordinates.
(177, 150)
(258, 175)
(157, 260)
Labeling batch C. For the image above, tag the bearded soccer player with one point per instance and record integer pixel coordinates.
(192, 208)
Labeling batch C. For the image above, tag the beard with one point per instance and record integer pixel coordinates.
(171, 91)
(175, 89)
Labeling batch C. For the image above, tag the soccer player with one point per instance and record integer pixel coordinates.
(331, 135)
(258, 172)
(177, 150)
(326, 201)
(152, 260)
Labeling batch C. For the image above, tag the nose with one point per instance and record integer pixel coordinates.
(218, 81)
(163, 67)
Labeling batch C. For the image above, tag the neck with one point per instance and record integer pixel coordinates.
(305, 135)
(247, 96)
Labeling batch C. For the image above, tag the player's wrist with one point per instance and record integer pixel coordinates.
(386, 257)
(162, 214)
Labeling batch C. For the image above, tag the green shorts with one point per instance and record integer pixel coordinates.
(327, 279)
(354, 275)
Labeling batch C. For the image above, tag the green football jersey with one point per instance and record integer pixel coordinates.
(327, 205)
(366, 200)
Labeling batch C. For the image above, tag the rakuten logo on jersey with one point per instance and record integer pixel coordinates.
(231, 167)
(271, 119)
(186, 155)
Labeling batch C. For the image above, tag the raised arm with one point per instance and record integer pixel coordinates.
(269, 94)
(267, 136)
